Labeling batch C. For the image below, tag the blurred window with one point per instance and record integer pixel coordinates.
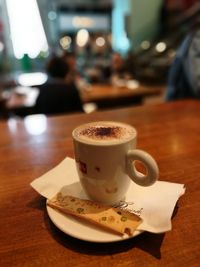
(27, 32)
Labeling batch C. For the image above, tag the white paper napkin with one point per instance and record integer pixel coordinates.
(154, 204)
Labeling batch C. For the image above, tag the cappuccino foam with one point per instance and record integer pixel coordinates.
(104, 132)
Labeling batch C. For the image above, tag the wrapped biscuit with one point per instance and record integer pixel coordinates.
(113, 219)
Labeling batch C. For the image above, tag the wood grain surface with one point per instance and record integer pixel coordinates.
(170, 132)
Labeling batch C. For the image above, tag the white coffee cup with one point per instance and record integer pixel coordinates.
(105, 152)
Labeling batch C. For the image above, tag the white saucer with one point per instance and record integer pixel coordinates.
(83, 230)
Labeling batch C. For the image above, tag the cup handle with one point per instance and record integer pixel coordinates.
(148, 161)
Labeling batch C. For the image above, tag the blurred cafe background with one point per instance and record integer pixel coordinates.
(62, 56)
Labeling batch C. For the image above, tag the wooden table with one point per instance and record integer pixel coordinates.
(106, 95)
(170, 132)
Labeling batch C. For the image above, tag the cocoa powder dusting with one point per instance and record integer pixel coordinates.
(102, 132)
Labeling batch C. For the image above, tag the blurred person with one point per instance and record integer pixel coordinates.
(103, 66)
(70, 59)
(130, 62)
(184, 74)
(119, 70)
(57, 95)
(74, 74)
(56, 69)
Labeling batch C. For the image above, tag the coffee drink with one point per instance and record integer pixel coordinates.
(105, 153)
(104, 132)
